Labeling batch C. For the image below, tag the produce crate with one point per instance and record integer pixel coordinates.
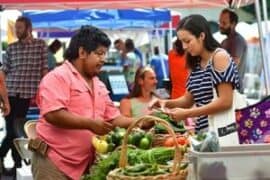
(243, 162)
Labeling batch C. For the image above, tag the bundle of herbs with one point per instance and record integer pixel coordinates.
(177, 126)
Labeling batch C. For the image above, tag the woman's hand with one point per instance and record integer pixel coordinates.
(157, 103)
(177, 114)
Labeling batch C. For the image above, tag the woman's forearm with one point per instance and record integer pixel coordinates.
(185, 101)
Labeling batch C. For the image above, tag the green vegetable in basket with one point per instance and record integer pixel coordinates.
(145, 143)
(100, 170)
(160, 129)
(158, 155)
(163, 116)
(178, 130)
(131, 140)
(109, 138)
(149, 136)
(116, 136)
(137, 136)
(177, 126)
(137, 168)
(144, 170)
(111, 147)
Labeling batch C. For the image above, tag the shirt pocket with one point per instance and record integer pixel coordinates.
(80, 98)
(101, 102)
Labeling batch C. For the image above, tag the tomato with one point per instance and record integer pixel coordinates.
(181, 140)
(169, 142)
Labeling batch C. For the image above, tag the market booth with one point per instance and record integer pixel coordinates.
(238, 162)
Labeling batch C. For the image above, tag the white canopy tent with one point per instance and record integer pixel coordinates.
(125, 4)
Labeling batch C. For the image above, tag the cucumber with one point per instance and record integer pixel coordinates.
(136, 168)
(142, 173)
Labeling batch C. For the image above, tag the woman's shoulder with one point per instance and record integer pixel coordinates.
(221, 59)
(125, 102)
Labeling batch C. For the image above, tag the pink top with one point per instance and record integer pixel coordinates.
(64, 88)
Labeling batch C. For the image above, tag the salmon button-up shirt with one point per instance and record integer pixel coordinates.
(64, 88)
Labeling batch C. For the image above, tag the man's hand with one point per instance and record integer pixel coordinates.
(100, 127)
(4, 106)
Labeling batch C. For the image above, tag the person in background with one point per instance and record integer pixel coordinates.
(235, 44)
(210, 67)
(142, 93)
(139, 55)
(52, 50)
(178, 70)
(74, 106)
(159, 62)
(119, 44)
(131, 64)
(25, 65)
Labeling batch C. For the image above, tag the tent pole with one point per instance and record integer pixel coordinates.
(1, 48)
(170, 36)
(265, 67)
(267, 36)
(265, 16)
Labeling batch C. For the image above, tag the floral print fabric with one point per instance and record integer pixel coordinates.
(253, 123)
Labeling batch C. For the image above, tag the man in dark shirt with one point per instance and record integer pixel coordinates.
(235, 44)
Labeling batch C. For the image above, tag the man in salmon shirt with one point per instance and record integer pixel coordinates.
(75, 106)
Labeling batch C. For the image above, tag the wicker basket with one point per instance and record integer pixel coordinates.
(175, 174)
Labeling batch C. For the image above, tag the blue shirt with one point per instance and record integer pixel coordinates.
(156, 64)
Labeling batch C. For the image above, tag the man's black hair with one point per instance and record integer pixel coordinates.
(129, 45)
(27, 22)
(55, 46)
(117, 41)
(156, 50)
(89, 38)
(233, 16)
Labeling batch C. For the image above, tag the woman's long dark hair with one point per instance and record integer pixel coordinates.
(178, 47)
(197, 24)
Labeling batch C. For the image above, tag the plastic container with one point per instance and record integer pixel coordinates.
(243, 162)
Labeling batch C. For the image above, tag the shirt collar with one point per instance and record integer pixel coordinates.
(76, 73)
